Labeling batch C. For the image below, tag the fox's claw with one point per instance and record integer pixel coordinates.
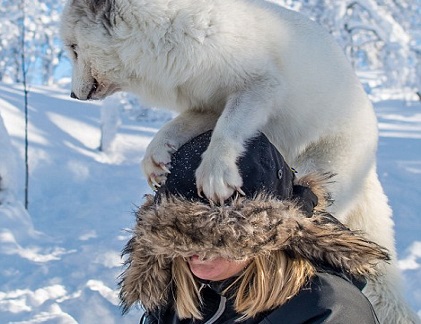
(157, 163)
(155, 184)
(165, 167)
(240, 191)
(172, 148)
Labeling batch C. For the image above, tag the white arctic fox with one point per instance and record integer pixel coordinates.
(239, 67)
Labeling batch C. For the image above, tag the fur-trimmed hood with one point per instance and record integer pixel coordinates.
(242, 229)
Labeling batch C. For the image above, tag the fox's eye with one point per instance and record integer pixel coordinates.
(74, 47)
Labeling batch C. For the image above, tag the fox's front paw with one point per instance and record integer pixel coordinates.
(156, 163)
(218, 177)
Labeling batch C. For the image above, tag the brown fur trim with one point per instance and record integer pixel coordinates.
(145, 277)
(243, 229)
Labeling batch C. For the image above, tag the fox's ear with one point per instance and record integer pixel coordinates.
(103, 10)
(99, 6)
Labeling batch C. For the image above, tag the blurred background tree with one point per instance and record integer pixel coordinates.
(43, 50)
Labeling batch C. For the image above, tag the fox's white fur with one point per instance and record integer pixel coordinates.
(240, 66)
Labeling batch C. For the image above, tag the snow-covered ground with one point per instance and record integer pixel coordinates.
(61, 259)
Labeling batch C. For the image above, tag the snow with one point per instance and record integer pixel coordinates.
(60, 261)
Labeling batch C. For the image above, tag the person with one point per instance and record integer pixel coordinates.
(271, 254)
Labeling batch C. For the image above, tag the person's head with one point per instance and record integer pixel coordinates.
(264, 171)
(271, 240)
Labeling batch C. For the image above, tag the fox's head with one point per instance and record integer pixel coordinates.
(87, 35)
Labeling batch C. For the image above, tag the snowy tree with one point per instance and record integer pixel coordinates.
(10, 18)
(374, 34)
(43, 48)
(377, 35)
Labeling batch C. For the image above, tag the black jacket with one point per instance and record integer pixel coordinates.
(327, 298)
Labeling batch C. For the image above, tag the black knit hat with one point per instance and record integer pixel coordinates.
(262, 168)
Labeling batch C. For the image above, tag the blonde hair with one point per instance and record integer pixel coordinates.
(267, 282)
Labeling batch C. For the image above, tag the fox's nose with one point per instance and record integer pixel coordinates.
(73, 95)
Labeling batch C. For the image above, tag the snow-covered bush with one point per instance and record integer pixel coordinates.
(8, 172)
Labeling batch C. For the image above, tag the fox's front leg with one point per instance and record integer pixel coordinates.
(245, 113)
(157, 160)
